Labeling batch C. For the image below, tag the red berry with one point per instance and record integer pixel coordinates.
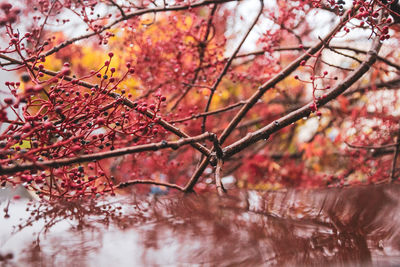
(6, 6)
(8, 101)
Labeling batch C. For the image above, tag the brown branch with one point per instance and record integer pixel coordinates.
(198, 85)
(134, 182)
(119, 8)
(264, 88)
(204, 114)
(218, 182)
(217, 147)
(344, 55)
(389, 84)
(108, 154)
(305, 111)
(279, 77)
(336, 66)
(371, 147)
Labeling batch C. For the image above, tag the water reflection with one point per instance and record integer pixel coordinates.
(335, 227)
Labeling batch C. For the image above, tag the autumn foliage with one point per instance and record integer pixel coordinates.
(109, 96)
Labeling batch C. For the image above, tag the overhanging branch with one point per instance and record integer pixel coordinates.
(305, 111)
(108, 154)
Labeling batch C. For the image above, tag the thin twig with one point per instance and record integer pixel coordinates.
(228, 64)
(394, 83)
(204, 114)
(218, 182)
(119, 8)
(371, 147)
(134, 182)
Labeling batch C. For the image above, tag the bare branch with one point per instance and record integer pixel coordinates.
(119, 8)
(209, 113)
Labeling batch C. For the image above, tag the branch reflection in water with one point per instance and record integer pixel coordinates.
(341, 227)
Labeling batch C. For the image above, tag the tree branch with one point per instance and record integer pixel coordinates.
(305, 111)
(167, 126)
(264, 88)
(108, 154)
(209, 113)
(119, 8)
(151, 182)
(218, 182)
(371, 147)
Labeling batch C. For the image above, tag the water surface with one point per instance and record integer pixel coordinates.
(333, 227)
